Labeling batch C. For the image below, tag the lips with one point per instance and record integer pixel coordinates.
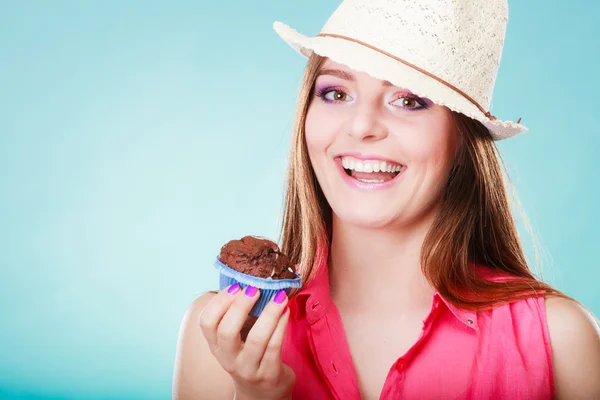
(369, 173)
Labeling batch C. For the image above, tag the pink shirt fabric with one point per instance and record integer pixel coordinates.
(502, 353)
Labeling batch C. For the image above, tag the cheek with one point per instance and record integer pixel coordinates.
(432, 155)
(433, 146)
(320, 130)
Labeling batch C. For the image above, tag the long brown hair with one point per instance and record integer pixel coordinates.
(475, 225)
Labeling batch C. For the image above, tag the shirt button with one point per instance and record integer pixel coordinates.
(470, 321)
(334, 368)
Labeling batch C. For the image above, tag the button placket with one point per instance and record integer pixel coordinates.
(334, 358)
(334, 368)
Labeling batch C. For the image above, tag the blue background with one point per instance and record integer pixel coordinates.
(138, 137)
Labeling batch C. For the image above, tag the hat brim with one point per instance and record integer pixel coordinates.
(380, 66)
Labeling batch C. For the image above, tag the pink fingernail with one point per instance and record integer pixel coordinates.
(233, 289)
(250, 291)
(280, 297)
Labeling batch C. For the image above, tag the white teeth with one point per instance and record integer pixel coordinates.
(369, 166)
(371, 180)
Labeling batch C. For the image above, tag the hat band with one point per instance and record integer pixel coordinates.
(486, 113)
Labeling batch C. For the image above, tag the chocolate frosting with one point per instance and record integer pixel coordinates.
(257, 257)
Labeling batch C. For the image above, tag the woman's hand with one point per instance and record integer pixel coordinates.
(254, 365)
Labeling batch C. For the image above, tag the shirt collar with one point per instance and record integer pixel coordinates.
(467, 317)
(314, 301)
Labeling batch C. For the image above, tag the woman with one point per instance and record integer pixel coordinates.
(416, 284)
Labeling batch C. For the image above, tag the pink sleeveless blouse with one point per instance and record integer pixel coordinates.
(502, 353)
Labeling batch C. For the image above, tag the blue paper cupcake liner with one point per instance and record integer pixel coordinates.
(268, 287)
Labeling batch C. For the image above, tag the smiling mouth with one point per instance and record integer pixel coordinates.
(370, 171)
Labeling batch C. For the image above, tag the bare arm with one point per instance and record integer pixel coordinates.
(198, 374)
(213, 361)
(575, 341)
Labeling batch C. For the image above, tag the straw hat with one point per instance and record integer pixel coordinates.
(446, 50)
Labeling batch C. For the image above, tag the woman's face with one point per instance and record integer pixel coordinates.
(358, 126)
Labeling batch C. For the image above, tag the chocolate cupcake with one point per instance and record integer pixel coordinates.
(260, 263)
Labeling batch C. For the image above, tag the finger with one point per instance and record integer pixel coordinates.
(213, 313)
(262, 331)
(229, 340)
(271, 360)
(250, 321)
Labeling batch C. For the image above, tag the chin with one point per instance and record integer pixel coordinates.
(366, 217)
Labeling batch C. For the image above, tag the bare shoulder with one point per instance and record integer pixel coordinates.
(567, 318)
(575, 341)
(197, 374)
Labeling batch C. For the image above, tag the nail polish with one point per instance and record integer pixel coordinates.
(250, 291)
(233, 289)
(280, 297)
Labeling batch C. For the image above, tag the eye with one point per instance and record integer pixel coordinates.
(336, 95)
(410, 103)
(333, 95)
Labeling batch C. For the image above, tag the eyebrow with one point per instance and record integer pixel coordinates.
(345, 75)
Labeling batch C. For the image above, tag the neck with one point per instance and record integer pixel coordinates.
(372, 269)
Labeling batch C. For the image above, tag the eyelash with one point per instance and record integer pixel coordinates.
(321, 93)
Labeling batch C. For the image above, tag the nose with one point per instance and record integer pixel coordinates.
(366, 124)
